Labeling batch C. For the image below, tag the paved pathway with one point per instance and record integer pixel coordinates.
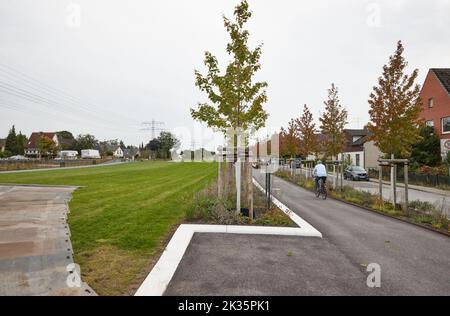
(413, 260)
(35, 247)
(228, 264)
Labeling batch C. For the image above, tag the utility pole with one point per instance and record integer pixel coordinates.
(193, 144)
(152, 126)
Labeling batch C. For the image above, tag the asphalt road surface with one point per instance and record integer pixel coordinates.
(229, 264)
(413, 260)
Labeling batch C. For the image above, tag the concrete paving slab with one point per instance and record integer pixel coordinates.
(35, 247)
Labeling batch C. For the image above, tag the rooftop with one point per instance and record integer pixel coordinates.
(443, 74)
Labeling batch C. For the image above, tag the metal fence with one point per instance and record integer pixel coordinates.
(430, 180)
(9, 165)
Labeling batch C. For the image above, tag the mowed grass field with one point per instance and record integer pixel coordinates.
(121, 217)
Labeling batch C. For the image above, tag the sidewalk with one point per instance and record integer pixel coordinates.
(417, 187)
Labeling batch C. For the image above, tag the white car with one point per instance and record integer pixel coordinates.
(18, 157)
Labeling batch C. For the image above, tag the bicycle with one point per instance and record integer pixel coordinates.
(322, 189)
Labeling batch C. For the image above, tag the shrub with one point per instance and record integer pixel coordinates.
(435, 214)
(207, 208)
(420, 207)
(5, 154)
(362, 198)
(274, 218)
(440, 170)
(440, 214)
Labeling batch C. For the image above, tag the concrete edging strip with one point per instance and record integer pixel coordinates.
(158, 279)
(294, 217)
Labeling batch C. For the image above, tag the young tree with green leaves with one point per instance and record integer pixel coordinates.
(167, 140)
(154, 146)
(235, 100)
(86, 141)
(66, 140)
(332, 123)
(395, 106)
(306, 129)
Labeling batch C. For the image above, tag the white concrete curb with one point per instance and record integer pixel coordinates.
(294, 217)
(156, 282)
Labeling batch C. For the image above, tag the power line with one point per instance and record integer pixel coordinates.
(152, 126)
(39, 87)
(19, 106)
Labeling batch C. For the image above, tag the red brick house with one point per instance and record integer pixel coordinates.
(435, 95)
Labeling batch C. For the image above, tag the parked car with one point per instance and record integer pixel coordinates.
(18, 157)
(297, 163)
(356, 173)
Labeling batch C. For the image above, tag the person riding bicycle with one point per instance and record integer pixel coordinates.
(320, 173)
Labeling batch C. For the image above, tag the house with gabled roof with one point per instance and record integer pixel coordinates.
(131, 153)
(435, 95)
(31, 149)
(358, 148)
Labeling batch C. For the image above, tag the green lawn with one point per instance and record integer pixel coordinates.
(122, 216)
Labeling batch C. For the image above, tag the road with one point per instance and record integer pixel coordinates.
(413, 194)
(413, 260)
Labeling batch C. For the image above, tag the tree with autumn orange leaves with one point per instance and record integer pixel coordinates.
(332, 123)
(395, 106)
(289, 142)
(306, 130)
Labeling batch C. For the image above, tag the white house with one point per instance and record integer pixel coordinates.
(361, 149)
(118, 153)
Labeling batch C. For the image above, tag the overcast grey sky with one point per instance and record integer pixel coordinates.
(124, 62)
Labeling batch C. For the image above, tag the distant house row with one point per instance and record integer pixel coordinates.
(32, 148)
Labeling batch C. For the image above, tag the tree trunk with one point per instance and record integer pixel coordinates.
(244, 182)
(249, 185)
(238, 177)
(229, 180)
(220, 181)
(393, 190)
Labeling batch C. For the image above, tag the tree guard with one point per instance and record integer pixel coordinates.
(393, 164)
(338, 165)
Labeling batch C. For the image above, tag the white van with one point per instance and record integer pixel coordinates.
(90, 154)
